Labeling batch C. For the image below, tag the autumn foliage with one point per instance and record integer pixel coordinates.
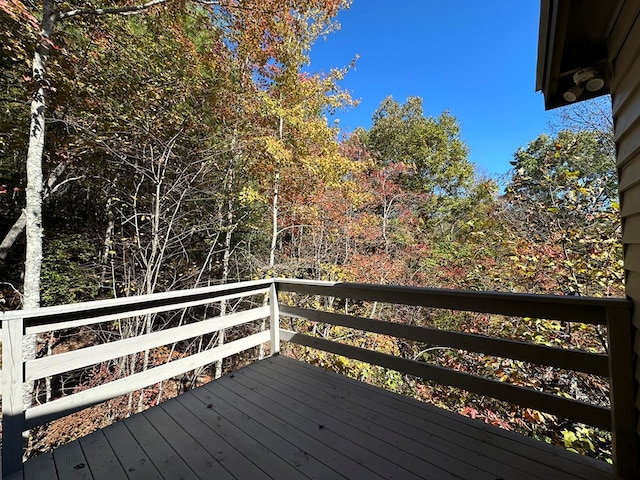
(190, 145)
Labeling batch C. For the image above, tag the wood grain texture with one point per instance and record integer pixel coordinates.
(283, 419)
(563, 407)
(554, 307)
(61, 407)
(539, 354)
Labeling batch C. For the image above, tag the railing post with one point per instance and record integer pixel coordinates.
(274, 320)
(622, 393)
(12, 393)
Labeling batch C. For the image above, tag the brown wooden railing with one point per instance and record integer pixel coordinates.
(613, 313)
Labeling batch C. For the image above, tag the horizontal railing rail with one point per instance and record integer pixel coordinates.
(593, 363)
(614, 313)
(17, 371)
(588, 310)
(77, 315)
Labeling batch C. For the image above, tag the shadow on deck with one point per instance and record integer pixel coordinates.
(283, 419)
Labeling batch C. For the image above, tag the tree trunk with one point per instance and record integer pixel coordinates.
(11, 236)
(33, 208)
(274, 219)
(107, 257)
(227, 254)
(18, 227)
(274, 211)
(274, 230)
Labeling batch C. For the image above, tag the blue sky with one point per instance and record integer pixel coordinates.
(475, 59)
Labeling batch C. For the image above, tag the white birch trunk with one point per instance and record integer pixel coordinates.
(18, 227)
(33, 208)
(274, 229)
(274, 209)
(11, 236)
(226, 258)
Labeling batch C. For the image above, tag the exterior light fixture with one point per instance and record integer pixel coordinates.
(594, 84)
(585, 78)
(573, 93)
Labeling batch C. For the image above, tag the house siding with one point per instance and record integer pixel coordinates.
(624, 56)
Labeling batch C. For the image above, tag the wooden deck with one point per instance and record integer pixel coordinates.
(284, 419)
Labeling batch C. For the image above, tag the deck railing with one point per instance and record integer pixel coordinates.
(16, 371)
(616, 365)
(619, 418)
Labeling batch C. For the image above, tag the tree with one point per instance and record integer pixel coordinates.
(592, 115)
(134, 112)
(34, 168)
(563, 194)
(430, 147)
(254, 37)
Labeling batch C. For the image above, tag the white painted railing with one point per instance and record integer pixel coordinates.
(17, 371)
(614, 313)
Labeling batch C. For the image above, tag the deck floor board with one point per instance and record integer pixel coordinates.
(41, 467)
(245, 434)
(163, 456)
(493, 441)
(101, 459)
(203, 463)
(282, 437)
(365, 430)
(329, 431)
(348, 464)
(283, 419)
(70, 462)
(432, 433)
(134, 460)
(488, 439)
(216, 441)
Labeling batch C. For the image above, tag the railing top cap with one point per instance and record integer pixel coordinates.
(589, 310)
(135, 301)
(618, 302)
(342, 287)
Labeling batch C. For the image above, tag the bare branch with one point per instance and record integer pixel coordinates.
(19, 225)
(11, 236)
(128, 10)
(53, 178)
(218, 3)
(64, 182)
